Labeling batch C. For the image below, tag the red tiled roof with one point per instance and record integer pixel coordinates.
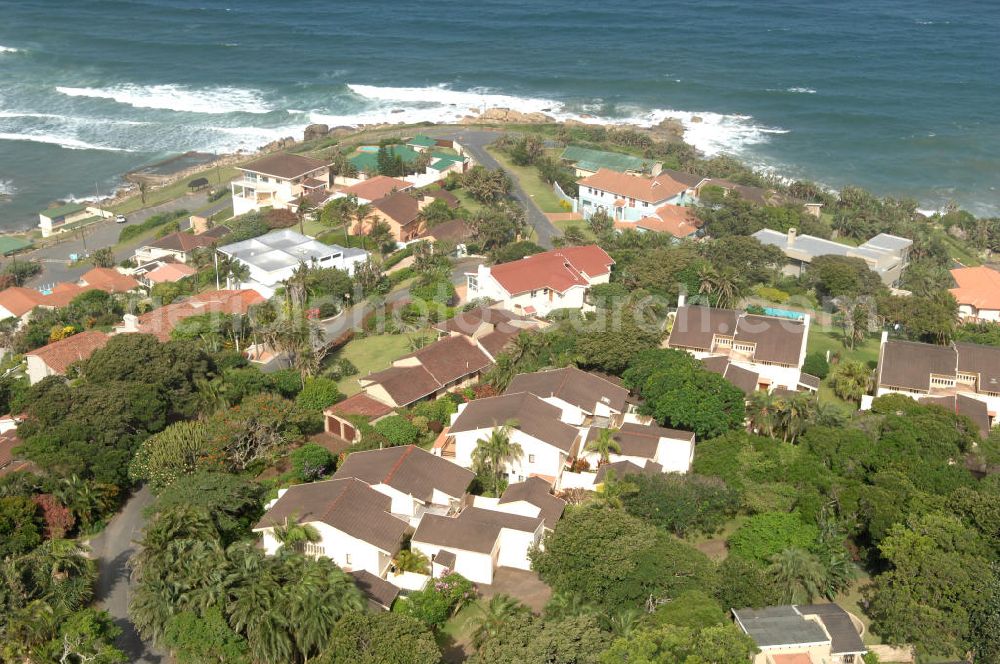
(977, 286)
(109, 280)
(360, 404)
(161, 322)
(19, 301)
(58, 355)
(377, 187)
(559, 269)
(170, 272)
(649, 190)
(676, 220)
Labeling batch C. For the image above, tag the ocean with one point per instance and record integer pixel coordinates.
(897, 96)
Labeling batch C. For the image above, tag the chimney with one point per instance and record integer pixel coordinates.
(199, 224)
(681, 299)
(792, 234)
(657, 169)
(885, 336)
(131, 323)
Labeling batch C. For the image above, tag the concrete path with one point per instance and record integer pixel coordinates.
(475, 142)
(112, 548)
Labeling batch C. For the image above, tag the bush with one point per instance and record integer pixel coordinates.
(772, 294)
(157, 220)
(217, 194)
(397, 430)
(328, 310)
(764, 535)
(816, 365)
(438, 601)
(311, 461)
(682, 504)
(516, 251)
(288, 382)
(318, 394)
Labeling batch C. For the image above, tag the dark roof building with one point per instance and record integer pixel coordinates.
(523, 411)
(284, 165)
(349, 505)
(762, 339)
(475, 529)
(537, 492)
(639, 440)
(574, 386)
(803, 626)
(379, 592)
(409, 470)
(622, 468)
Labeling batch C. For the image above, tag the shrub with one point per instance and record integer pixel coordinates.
(318, 393)
(816, 365)
(328, 310)
(438, 601)
(764, 535)
(397, 430)
(772, 294)
(311, 461)
(157, 220)
(288, 382)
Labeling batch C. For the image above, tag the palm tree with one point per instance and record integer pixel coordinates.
(303, 208)
(605, 444)
(795, 412)
(614, 490)
(828, 414)
(238, 272)
(707, 280)
(380, 234)
(729, 286)
(799, 574)
(763, 412)
(565, 603)
(496, 613)
(409, 560)
(622, 621)
(851, 380)
(362, 215)
(143, 191)
(502, 373)
(493, 454)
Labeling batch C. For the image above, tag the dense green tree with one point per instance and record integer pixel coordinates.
(380, 638)
(233, 502)
(985, 622)
(671, 644)
(682, 504)
(318, 393)
(524, 638)
(695, 609)
(680, 393)
(311, 461)
(816, 364)
(20, 526)
(745, 583)
(486, 186)
(397, 430)
(612, 349)
(763, 536)
(843, 276)
(937, 570)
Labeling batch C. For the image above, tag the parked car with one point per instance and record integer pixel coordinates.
(120, 219)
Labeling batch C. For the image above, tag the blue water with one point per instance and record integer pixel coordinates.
(783, 313)
(897, 96)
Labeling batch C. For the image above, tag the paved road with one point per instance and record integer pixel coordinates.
(55, 258)
(112, 548)
(475, 142)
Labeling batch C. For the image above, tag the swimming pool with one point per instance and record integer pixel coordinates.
(368, 148)
(783, 313)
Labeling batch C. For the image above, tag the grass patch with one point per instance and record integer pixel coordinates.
(470, 204)
(959, 252)
(821, 341)
(850, 601)
(579, 223)
(370, 354)
(217, 178)
(539, 190)
(714, 546)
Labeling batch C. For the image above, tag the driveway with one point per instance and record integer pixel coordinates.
(475, 142)
(55, 258)
(112, 549)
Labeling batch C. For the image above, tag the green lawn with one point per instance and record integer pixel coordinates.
(471, 205)
(217, 178)
(370, 354)
(581, 224)
(539, 190)
(850, 601)
(821, 341)
(455, 636)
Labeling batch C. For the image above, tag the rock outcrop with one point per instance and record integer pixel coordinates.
(508, 116)
(314, 131)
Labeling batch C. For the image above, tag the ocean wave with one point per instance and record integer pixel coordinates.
(711, 133)
(9, 49)
(219, 100)
(67, 142)
(7, 189)
(805, 91)
(70, 119)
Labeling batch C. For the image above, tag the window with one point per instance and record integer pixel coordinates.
(347, 558)
(531, 458)
(473, 282)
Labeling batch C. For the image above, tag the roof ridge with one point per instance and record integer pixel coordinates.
(399, 462)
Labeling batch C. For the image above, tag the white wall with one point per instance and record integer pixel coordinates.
(515, 545)
(543, 300)
(547, 459)
(348, 552)
(521, 507)
(476, 567)
(402, 503)
(37, 369)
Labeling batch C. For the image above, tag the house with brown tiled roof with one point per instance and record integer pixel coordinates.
(416, 480)
(401, 211)
(108, 280)
(977, 291)
(675, 220)
(429, 372)
(161, 321)
(339, 419)
(582, 397)
(356, 526)
(760, 352)
(55, 358)
(539, 284)
(671, 449)
(533, 497)
(374, 188)
(493, 329)
(18, 301)
(179, 245)
(962, 377)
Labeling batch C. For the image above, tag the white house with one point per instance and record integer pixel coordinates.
(753, 352)
(54, 219)
(542, 283)
(356, 527)
(803, 634)
(547, 442)
(415, 480)
(272, 258)
(54, 358)
(178, 246)
(477, 541)
(672, 450)
(278, 180)
(532, 497)
(977, 293)
(962, 377)
(630, 197)
(583, 397)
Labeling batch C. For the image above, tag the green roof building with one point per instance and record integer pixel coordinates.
(63, 211)
(588, 161)
(367, 161)
(421, 141)
(10, 244)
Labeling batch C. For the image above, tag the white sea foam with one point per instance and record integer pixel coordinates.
(7, 188)
(68, 142)
(713, 134)
(9, 49)
(219, 100)
(805, 91)
(70, 119)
